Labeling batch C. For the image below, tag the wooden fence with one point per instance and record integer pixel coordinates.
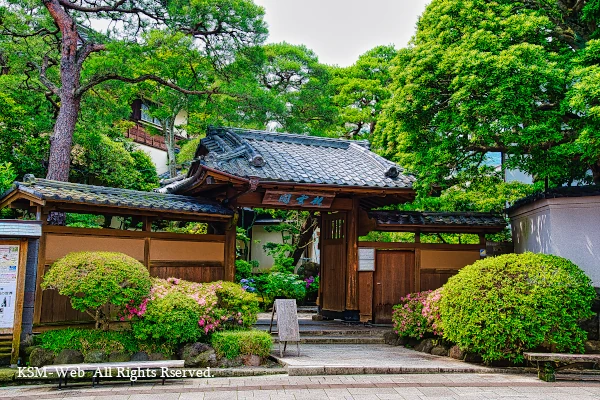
(198, 258)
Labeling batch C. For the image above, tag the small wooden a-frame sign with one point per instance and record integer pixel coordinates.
(288, 329)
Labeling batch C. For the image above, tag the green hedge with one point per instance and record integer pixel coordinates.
(230, 344)
(86, 340)
(502, 306)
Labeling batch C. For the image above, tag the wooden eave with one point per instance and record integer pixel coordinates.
(18, 195)
(24, 200)
(110, 209)
(438, 228)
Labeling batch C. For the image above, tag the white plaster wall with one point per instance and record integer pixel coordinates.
(568, 227)
(159, 157)
(260, 237)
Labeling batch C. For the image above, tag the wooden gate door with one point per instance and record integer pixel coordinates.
(394, 279)
(333, 261)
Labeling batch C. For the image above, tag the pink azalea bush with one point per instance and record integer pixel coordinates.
(431, 311)
(408, 316)
(418, 315)
(179, 311)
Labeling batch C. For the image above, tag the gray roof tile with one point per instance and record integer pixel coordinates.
(100, 195)
(302, 159)
(454, 219)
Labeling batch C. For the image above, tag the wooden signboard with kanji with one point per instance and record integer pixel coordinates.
(298, 199)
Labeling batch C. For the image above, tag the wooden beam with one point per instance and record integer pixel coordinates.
(337, 188)
(438, 229)
(422, 246)
(128, 211)
(64, 230)
(352, 257)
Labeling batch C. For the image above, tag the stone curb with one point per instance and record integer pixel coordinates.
(9, 375)
(355, 370)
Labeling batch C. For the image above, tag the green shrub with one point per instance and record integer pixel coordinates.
(243, 269)
(180, 311)
(238, 343)
(86, 340)
(171, 319)
(499, 307)
(237, 304)
(280, 284)
(408, 317)
(7, 176)
(93, 280)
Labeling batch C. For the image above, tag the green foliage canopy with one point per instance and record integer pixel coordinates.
(501, 76)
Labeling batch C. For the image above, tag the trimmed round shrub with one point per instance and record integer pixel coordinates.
(93, 280)
(230, 344)
(502, 306)
(408, 318)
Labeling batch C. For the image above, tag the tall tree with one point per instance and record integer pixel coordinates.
(219, 26)
(362, 89)
(302, 88)
(502, 76)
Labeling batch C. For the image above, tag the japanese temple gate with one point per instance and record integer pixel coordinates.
(341, 180)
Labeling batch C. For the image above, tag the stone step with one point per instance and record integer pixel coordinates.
(345, 333)
(344, 339)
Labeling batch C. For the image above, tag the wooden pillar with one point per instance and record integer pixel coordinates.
(147, 227)
(230, 243)
(352, 257)
(41, 269)
(20, 298)
(482, 239)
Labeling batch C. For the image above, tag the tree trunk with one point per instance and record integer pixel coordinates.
(306, 232)
(70, 73)
(170, 143)
(62, 139)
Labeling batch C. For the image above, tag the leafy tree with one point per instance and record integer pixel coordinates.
(74, 59)
(362, 89)
(302, 89)
(502, 76)
(98, 160)
(7, 176)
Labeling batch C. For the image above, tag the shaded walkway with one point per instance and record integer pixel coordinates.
(339, 348)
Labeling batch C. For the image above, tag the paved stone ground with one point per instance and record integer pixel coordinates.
(367, 358)
(363, 387)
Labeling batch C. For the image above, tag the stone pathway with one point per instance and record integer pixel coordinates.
(336, 359)
(363, 387)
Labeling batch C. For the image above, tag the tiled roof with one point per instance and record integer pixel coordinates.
(437, 219)
(565, 191)
(65, 192)
(284, 157)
